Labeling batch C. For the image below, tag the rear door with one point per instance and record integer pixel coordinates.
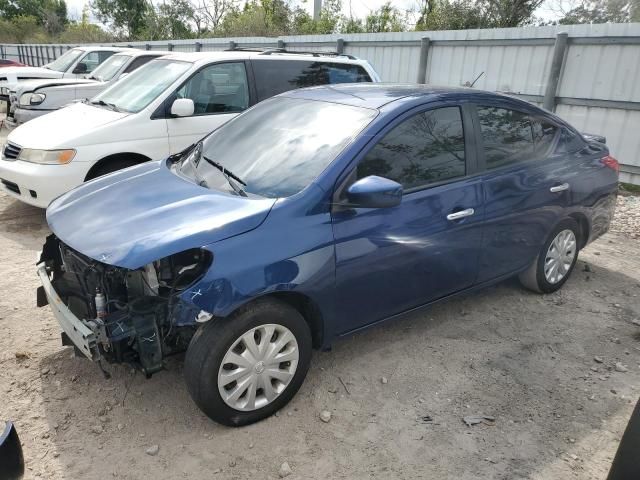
(527, 183)
(219, 92)
(389, 260)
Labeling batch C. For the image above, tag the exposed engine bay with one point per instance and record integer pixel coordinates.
(137, 316)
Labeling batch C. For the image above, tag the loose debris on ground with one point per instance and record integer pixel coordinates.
(545, 367)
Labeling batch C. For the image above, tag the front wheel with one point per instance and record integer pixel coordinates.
(554, 264)
(244, 368)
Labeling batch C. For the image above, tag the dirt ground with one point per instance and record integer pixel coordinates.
(543, 366)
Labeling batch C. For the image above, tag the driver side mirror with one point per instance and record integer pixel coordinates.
(80, 68)
(182, 107)
(374, 192)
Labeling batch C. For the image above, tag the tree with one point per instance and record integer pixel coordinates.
(451, 15)
(208, 14)
(126, 17)
(385, 19)
(603, 11)
(169, 20)
(509, 13)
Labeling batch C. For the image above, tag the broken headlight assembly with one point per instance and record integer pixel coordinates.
(137, 316)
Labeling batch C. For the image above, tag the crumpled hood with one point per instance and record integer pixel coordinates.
(32, 85)
(145, 213)
(60, 128)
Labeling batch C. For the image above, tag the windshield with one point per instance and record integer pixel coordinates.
(112, 65)
(62, 63)
(142, 86)
(278, 147)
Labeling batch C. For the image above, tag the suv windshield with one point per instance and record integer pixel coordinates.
(110, 67)
(141, 87)
(62, 63)
(278, 147)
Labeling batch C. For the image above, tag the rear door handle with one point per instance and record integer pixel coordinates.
(461, 214)
(559, 188)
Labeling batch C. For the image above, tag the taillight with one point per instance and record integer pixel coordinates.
(611, 162)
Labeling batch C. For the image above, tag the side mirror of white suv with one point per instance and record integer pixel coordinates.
(182, 107)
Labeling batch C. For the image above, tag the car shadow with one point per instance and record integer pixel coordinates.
(522, 358)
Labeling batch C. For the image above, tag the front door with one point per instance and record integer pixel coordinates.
(391, 260)
(219, 92)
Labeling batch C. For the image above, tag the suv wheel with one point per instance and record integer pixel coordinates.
(554, 264)
(244, 368)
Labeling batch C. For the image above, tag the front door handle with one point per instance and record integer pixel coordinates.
(461, 214)
(559, 188)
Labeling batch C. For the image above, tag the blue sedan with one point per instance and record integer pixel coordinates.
(315, 214)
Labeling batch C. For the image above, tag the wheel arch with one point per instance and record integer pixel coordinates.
(136, 159)
(585, 227)
(304, 305)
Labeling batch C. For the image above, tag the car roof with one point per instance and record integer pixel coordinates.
(377, 95)
(109, 49)
(205, 57)
(134, 52)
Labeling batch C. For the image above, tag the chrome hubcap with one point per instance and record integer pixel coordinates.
(560, 256)
(258, 367)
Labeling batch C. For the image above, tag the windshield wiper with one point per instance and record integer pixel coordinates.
(112, 106)
(229, 175)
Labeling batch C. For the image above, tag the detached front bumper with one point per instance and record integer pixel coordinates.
(81, 335)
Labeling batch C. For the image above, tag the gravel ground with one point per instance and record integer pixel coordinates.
(627, 219)
(544, 367)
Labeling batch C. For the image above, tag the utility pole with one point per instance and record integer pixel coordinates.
(317, 6)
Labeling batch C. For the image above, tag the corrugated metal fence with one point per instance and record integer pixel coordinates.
(587, 74)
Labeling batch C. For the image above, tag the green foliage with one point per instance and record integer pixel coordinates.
(169, 21)
(466, 14)
(386, 19)
(604, 11)
(125, 17)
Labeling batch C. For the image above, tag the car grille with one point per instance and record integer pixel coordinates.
(11, 151)
(10, 186)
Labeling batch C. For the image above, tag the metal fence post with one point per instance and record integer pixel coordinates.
(340, 46)
(281, 44)
(2, 53)
(553, 80)
(198, 47)
(232, 45)
(424, 56)
(170, 47)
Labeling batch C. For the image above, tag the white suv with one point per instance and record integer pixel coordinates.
(156, 111)
(34, 98)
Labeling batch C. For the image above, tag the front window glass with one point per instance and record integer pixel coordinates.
(426, 148)
(93, 59)
(110, 67)
(62, 63)
(219, 88)
(280, 146)
(141, 87)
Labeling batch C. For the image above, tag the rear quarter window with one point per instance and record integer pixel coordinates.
(277, 76)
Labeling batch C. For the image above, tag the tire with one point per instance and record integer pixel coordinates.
(534, 278)
(206, 362)
(111, 166)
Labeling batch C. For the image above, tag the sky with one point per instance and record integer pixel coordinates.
(358, 8)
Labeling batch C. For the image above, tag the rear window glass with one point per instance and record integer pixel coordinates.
(278, 76)
(569, 142)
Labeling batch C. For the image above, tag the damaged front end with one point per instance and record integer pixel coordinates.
(121, 315)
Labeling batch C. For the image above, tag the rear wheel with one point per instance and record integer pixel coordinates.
(556, 260)
(243, 369)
